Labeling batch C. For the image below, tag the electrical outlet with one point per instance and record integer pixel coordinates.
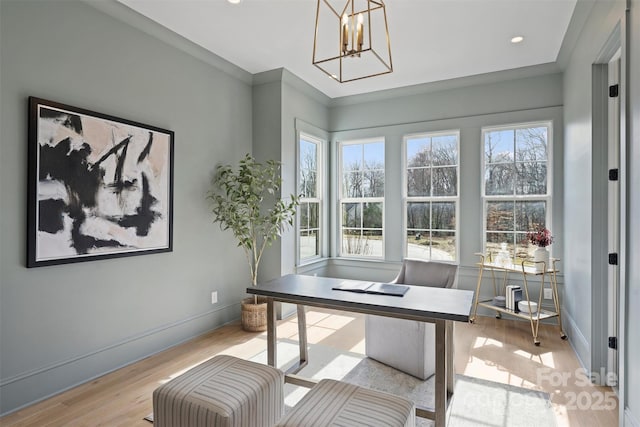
(214, 297)
(548, 294)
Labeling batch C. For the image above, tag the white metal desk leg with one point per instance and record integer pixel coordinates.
(442, 350)
(272, 356)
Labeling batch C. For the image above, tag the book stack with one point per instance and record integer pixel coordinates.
(512, 297)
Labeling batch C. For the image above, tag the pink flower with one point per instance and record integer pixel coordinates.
(541, 238)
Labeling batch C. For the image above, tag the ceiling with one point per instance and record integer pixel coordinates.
(431, 40)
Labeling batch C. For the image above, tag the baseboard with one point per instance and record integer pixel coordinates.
(33, 386)
(629, 419)
(577, 340)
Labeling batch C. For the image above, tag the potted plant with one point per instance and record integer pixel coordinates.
(540, 238)
(246, 202)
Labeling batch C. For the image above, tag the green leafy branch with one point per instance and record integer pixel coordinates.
(240, 198)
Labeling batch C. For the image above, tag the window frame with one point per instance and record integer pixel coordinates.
(406, 199)
(547, 198)
(341, 199)
(320, 144)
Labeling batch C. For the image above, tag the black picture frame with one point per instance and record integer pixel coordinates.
(99, 186)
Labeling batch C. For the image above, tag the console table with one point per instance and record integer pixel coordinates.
(434, 305)
(527, 272)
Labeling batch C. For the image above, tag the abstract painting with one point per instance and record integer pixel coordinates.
(99, 186)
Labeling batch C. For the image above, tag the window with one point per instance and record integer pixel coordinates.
(309, 188)
(362, 198)
(517, 196)
(432, 196)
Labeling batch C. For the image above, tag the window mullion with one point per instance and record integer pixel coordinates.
(527, 210)
(353, 156)
(428, 159)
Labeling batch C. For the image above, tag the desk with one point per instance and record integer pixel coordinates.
(425, 304)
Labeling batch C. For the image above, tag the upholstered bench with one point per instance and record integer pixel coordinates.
(223, 392)
(333, 402)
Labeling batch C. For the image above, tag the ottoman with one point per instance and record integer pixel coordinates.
(337, 403)
(224, 391)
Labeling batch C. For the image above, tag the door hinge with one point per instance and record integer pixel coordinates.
(613, 174)
(613, 259)
(613, 343)
(613, 91)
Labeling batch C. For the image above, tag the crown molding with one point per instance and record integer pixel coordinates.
(133, 18)
(578, 19)
(459, 82)
(282, 75)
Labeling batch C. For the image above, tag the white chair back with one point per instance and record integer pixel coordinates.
(427, 273)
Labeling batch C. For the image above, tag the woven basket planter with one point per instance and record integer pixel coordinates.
(254, 316)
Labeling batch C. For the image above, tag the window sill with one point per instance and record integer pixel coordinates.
(313, 260)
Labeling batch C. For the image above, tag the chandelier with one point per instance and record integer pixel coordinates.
(351, 40)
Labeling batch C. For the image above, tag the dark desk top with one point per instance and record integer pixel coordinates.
(419, 303)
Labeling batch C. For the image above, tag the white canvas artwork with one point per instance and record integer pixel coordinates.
(99, 186)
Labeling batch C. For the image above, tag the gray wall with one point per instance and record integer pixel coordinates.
(280, 100)
(582, 166)
(582, 284)
(302, 106)
(58, 327)
(513, 99)
(267, 134)
(282, 104)
(498, 92)
(632, 341)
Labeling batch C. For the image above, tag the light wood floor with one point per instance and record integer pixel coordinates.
(496, 350)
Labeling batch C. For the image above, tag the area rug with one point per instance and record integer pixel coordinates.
(475, 402)
(478, 402)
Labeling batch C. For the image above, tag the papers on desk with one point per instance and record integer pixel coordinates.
(372, 288)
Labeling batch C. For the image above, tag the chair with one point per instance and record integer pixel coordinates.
(408, 345)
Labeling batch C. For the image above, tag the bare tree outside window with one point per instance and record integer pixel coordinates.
(432, 194)
(517, 199)
(531, 160)
(362, 198)
(308, 169)
(309, 207)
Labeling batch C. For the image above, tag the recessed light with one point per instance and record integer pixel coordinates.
(517, 39)
(234, 1)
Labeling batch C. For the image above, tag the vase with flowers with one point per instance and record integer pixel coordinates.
(540, 238)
